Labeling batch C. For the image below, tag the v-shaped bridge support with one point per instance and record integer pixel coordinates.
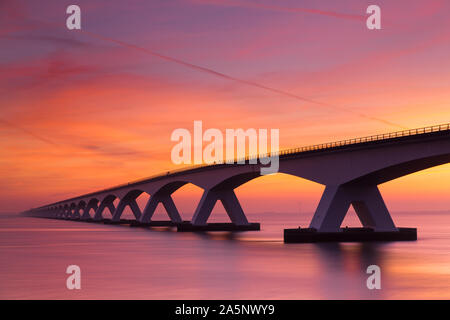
(169, 205)
(229, 201)
(365, 199)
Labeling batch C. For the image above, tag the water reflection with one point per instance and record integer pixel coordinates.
(344, 266)
(124, 262)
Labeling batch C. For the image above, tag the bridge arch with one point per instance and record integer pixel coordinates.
(162, 194)
(66, 211)
(92, 204)
(79, 207)
(225, 192)
(58, 210)
(107, 202)
(129, 199)
(402, 169)
(72, 210)
(364, 195)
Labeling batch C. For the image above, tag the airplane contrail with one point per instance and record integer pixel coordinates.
(28, 132)
(231, 78)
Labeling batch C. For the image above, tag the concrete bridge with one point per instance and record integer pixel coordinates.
(351, 171)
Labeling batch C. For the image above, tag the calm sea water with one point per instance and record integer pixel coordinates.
(119, 262)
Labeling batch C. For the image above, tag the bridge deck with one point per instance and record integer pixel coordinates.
(398, 136)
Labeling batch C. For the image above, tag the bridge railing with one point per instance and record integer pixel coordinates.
(322, 146)
(341, 143)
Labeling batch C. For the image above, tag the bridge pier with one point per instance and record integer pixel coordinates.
(232, 207)
(229, 201)
(169, 205)
(365, 199)
(332, 209)
(106, 203)
(76, 215)
(127, 201)
(92, 204)
(66, 214)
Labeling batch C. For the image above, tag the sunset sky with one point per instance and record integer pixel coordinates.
(84, 110)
